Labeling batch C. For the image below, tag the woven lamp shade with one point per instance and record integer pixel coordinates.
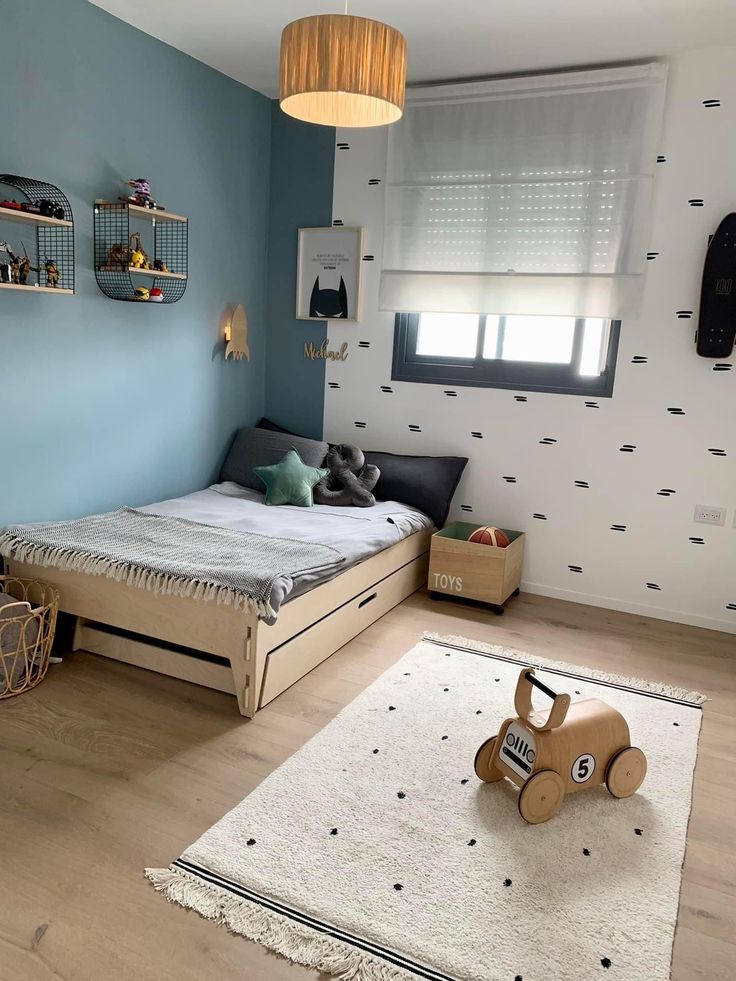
(341, 70)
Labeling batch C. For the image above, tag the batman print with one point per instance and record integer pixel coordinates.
(327, 303)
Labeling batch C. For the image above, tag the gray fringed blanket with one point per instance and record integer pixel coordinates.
(169, 555)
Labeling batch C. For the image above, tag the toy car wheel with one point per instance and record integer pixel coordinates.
(626, 772)
(541, 796)
(483, 769)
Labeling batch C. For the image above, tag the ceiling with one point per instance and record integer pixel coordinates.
(447, 38)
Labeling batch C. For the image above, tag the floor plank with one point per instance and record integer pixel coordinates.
(106, 768)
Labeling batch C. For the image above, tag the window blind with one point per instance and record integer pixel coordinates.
(526, 195)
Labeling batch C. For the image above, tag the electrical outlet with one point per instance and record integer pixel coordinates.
(707, 515)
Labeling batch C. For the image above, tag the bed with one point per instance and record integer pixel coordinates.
(383, 553)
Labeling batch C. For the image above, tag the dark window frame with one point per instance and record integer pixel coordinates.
(480, 372)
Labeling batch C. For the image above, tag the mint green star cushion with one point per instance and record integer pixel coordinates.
(290, 481)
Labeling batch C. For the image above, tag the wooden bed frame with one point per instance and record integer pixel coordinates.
(227, 649)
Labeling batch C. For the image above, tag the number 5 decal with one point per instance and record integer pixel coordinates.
(582, 768)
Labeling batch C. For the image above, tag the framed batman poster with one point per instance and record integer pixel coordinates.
(328, 274)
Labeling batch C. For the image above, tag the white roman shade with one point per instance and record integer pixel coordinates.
(526, 195)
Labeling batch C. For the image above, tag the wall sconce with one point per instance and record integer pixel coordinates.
(236, 335)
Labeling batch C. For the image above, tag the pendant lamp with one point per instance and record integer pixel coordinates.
(340, 70)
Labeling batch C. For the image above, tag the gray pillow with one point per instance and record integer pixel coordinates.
(262, 448)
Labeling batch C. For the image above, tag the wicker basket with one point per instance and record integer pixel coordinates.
(26, 637)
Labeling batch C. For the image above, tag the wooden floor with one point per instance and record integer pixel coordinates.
(107, 768)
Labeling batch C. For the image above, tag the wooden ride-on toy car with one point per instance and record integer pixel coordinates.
(568, 748)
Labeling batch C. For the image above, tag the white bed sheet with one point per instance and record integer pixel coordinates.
(356, 533)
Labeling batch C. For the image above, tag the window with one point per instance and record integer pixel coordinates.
(574, 356)
(527, 194)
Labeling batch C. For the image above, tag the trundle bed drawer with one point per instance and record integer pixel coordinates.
(291, 661)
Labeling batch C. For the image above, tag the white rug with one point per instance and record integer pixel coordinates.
(375, 854)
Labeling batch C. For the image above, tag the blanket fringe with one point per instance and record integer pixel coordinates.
(72, 560)
(300, 944)
(641, 684)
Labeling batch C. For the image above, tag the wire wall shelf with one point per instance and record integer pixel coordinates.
(123, 267)
(47, 216)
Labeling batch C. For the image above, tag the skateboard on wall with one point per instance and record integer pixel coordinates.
(717, 324)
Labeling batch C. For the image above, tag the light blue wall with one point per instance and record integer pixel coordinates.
(105, 402)
(302, 172)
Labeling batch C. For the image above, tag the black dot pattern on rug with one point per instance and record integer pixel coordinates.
(445, 689)
(464, 781)
(479, 712)
(518, 978)
(333, 831)
(251, 841)
(577, 692)
(375, 751)
(445, 737)
(407, 674)
(496, 679)
(392, 708)
(675, 723)
(638, 831)
(401, 795)
(398, 887)
(507, 882)
(586, 852)
(472, 842)
(606, 962)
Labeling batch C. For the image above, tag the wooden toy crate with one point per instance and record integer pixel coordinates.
(465, 569)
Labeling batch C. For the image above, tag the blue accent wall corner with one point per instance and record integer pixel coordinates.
(104, 402)
(302, 174)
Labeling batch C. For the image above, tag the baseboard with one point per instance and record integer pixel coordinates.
(625, 606)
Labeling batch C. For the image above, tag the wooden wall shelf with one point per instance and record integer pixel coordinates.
(151, 214)
(54, 237)
(112, 243)
(10, 214)
(156, 273)
(37, 289)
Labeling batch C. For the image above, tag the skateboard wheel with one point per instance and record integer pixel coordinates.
(541, 796)
(483, 769)
(626, 772)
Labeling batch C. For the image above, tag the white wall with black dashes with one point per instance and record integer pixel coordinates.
(604, 488)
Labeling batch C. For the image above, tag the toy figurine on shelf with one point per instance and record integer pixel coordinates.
(43, 207)
(24, 269)
(142, 294)
(160, 266)
(138, 255)
(52, 273)
(20, 267)
(6, 267)
(117, 257)
(141, 195)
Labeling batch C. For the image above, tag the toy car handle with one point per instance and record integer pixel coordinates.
(523, 702)
(530, 676)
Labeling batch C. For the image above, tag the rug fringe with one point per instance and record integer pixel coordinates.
(298, 943)
(655, 687)
(73, 560)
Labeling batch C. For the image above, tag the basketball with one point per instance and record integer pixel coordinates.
(488, 535)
